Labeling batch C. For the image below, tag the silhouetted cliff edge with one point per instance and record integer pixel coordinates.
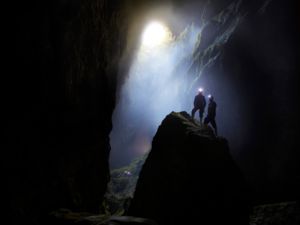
(190, 176)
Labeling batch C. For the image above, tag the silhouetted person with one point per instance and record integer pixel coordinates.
(199, 104)
(211, 113)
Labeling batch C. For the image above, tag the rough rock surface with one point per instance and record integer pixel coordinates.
(287, 213)
(60, 102)
(189, 176)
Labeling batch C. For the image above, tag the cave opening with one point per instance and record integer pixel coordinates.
(153, 88)
(157, 83)
(172, 57)
(174, 52)
(165, 73)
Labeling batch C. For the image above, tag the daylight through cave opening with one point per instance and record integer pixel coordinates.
(157, 84)
(170, 62)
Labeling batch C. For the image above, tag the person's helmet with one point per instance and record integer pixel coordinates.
(210, 97)
(200, 90)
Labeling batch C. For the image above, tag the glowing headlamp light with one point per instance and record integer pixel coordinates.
(200, 89)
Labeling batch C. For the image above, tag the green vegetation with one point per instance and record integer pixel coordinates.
(120, 189)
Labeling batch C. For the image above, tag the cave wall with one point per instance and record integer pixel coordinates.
(59, 102)
(64, 61)
(260, 62)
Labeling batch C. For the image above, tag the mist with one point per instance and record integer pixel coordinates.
(165, 77)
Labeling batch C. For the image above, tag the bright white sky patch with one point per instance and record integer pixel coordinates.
(155, 34)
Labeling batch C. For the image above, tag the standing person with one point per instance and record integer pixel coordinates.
(211, 113)
(199, 104)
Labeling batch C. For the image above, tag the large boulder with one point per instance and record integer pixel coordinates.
(190, 176)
